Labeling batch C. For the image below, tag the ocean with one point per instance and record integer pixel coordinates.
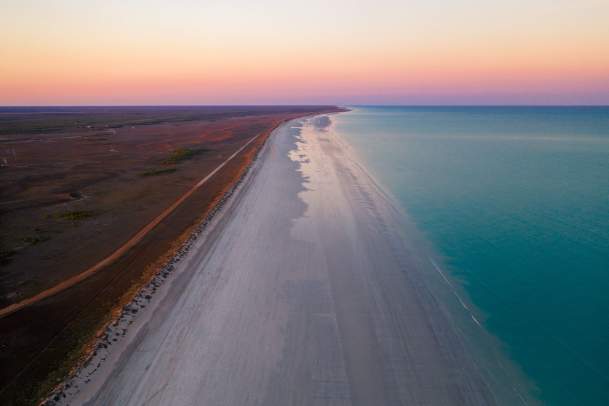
(515, 200)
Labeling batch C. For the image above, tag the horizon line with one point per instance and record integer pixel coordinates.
(302, 105)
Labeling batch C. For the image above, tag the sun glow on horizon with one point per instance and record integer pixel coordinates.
(188, 52)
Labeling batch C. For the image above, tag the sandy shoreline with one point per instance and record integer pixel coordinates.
(301, 291)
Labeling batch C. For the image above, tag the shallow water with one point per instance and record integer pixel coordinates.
(516, 201)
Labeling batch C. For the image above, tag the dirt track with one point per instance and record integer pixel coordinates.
(132, 242)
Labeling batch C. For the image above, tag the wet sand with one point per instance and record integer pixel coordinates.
(302, 292)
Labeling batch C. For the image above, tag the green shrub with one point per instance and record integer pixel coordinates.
(155, 172)
(182, 154)
(75, 215)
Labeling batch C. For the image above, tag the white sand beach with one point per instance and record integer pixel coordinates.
(301, 293)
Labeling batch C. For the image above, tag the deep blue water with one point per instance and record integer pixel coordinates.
(516, 201)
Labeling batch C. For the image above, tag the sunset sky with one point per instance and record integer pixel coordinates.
(338, 52)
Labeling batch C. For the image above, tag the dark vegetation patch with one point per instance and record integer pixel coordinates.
(35, 239)
(158, 171)
(75, 215)
(6, 255)
(183, 154)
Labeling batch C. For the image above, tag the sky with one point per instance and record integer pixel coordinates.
(111, 52)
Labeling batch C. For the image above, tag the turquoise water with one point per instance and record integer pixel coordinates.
(516, 201)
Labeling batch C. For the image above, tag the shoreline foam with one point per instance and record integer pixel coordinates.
(506, 378)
